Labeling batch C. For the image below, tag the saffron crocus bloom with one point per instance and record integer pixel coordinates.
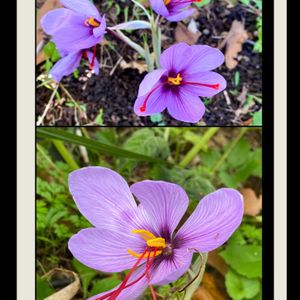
(142, 237)
(67, 64)
(185, 75)
(173, 10)
(76, 26)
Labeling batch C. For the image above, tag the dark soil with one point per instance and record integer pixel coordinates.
(116, 93)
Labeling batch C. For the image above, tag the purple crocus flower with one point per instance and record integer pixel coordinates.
(143, 238)
(173, 10)
(67, 64)
(76, 26)
(185, 75)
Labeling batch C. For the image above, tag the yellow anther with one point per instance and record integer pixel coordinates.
(176, 81)
(138, 255)
(91, 22)
(166, 2)
(157, 243)
(145, 234)
(152, 241)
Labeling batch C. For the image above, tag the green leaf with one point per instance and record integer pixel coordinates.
(43, 288)
(51, 52)
(145, 141)
(93, 145)
(228, 180)
(156, 118)
(48, 65)
(244, 259)
(99, 118)
(257, 118)
(104, 285)
(86, 274)
(236, 78)
(237, 238)
(210, 158)
(202, 3)
(240, 287)
(239, 154)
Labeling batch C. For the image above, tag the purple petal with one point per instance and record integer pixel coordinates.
(214, 220)
(150, 80)
(105, 250)
(185, 107)
(57, 18)
(103, 197)
(204, 58)
(156, 102)
(209, 78)
(170, 269)
(181, 15)
(100, 30)
(176, 57)
(159, 7)
(74, 35)
(66, 65)
(84, 7)
(133, 292)
(165, 204)
(96, 63)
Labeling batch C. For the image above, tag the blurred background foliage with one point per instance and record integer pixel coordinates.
(199, 159)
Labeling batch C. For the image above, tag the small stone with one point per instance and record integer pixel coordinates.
(206, 31)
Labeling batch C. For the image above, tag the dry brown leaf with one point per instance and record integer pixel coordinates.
(183, 34)
(140, 66)
(47, 6)
(252, 203)
(217, 262)
(70, 290)
(234, 42)
(212, 288)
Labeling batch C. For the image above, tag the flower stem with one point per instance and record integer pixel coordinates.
(65, 154)
(156, 40)
(198, 146)
(228, 151)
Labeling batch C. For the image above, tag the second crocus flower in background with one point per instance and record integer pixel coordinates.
(185, 75)
(173, 10)
(69, 63)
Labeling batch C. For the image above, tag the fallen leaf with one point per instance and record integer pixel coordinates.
(252, 203)
(183, 34)
(140, 66)
(234, 42)
(68, 292)
(211, 288)
(217, 262)
(47, 6)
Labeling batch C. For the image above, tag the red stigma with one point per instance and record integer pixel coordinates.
(93, 59)
(114, 294)
(215, 86)
(144, 106)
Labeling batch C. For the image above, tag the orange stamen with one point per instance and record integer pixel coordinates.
(91, 22)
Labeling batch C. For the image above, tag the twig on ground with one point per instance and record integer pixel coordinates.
(115, 66)
(41, 119)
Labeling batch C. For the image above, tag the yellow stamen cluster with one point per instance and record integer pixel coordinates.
(152, 241)
(91, 22)
(166, 2)
(175, 80)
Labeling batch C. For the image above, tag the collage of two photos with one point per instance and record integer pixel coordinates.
(149, 150)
